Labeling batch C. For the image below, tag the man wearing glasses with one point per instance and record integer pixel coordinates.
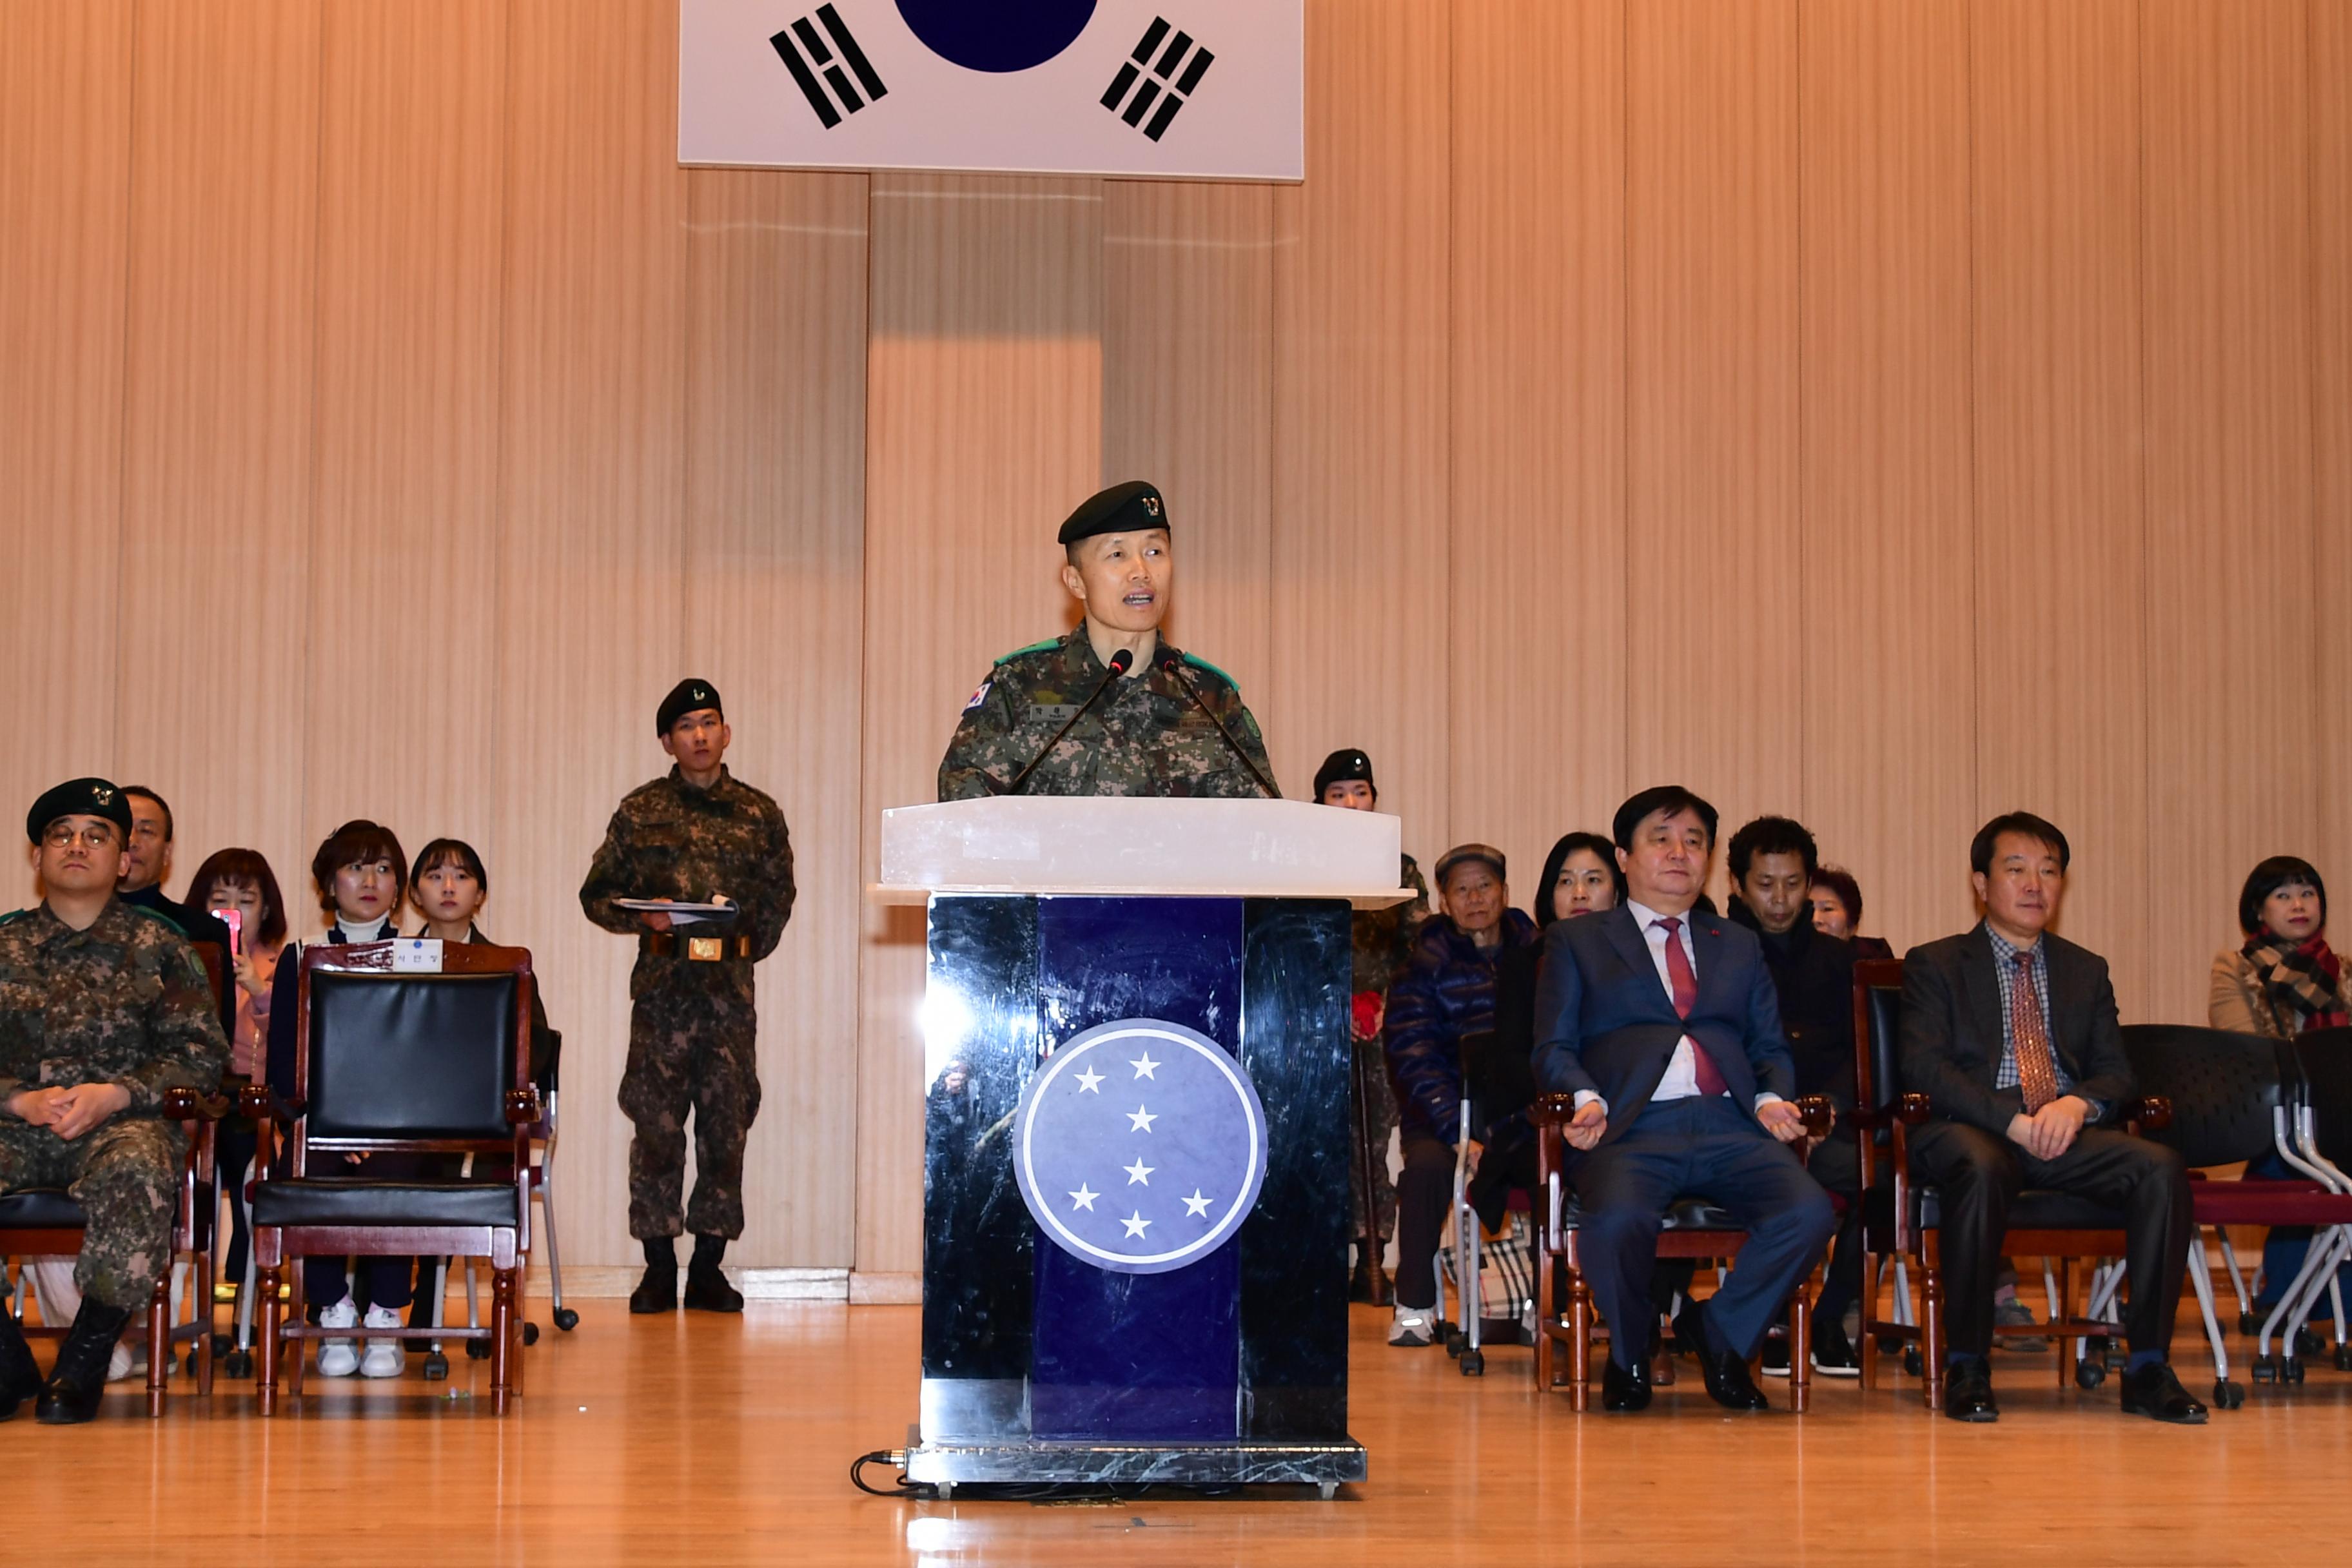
(103, 1010)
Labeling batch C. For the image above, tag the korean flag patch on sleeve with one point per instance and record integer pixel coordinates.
(980, 696)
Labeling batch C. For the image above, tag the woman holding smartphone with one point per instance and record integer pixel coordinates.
(359, 872)
(239, 886)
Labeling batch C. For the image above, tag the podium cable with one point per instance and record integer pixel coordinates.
(1119, 662)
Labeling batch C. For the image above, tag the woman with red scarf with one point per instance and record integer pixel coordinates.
(2280, 980)
(2283, 978)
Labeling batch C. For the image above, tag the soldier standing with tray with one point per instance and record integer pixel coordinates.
(1109, 707)
(696, 836)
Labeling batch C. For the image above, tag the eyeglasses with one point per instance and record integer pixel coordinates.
(60, 837)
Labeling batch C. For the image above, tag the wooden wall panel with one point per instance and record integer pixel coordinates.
(220, 318)
(2331, 363)
(411, 250)
(1538, 422)
(65, 200)
(2226, 134)
(1887, 619)
(774, 535)
(983, 429)
(1188, 401)
(591, 627)
(2062, 628)
(1361, 567)
(1714, 687)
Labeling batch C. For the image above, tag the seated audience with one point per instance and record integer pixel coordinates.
(2280, 980)
(1445, 994)
(448, 886)
(1380, 943)
(240, 879)
(103, 1010)
(359, 871)
(1773, 861)
(151, 867)
(1579, 877)
(2011, 1031)
(1661, 1023)
(1837, 911)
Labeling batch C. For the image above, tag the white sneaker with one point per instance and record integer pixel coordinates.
(1412, 1327)
(336, 1356)
(385, 1357)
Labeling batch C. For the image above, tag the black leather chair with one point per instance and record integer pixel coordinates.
(390, 1062)
(1901, 1216)
(42, 1222)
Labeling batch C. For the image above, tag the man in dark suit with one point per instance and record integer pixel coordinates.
(2010, 1032)
(1662, 1022)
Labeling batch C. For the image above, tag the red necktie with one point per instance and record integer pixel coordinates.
(1684, 984)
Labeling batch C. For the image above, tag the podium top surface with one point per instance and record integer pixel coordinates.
(1123, 845)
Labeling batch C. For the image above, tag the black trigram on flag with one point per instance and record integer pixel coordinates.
(812, 58)
(1161, 55)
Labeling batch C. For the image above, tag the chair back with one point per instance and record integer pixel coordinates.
(2223, 1088)
(1877, 1034)
(397, 1057)
(2322, 1061)
(1497, 1080)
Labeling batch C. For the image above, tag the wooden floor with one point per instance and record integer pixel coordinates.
(698, 1440)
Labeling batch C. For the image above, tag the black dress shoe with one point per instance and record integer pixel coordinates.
(1967, 1392)
(1832, 1351)
(2156, 1392)
(79, 1381)
(20, 1374)
(1625, 1388)
(657, 1291)
(1726, 1372)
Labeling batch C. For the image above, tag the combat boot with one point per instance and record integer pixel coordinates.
(20, 1374)
(706, 1289)
(79, 1381)
(657, 1291)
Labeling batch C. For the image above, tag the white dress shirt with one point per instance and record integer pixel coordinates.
(1680, 1078)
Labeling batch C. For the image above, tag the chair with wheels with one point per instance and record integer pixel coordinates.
(397, 1060)
(1901, 1216)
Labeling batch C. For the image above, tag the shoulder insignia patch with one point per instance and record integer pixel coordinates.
(1197, 662)
(1032, 648)
(158, 916)
(980, 696)
(14, 915)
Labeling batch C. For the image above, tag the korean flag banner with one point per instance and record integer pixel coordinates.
(1209, 90)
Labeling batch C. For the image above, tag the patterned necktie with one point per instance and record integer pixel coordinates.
(1684, 982)
(2037, 1070)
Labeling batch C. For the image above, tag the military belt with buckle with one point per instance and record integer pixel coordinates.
(699, 949)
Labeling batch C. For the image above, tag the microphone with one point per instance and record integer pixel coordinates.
(1174, 664)
(1119, 662)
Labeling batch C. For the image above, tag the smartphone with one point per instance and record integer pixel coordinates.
(235, 921)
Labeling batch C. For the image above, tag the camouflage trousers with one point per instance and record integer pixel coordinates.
(125, 1173)
(690, 1049)
(1371, 1113)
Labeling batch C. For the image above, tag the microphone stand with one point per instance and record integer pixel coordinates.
(1119, 663)
(1174, 664)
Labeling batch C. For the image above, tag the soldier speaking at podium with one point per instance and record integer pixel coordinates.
(1109, 707)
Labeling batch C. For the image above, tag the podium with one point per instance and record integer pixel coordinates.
(1136, 1137)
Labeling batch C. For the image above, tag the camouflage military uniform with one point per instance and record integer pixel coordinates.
(1146, 736)
(692, 1029)
(1382, 943)
(126, 1003)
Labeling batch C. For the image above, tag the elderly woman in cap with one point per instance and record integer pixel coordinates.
(1383, 945)
(1444, 995)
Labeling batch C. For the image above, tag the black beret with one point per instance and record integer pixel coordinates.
(1132, 507)
(687, 697)
(1463, 854)
(1345, 763)
(78, 798)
